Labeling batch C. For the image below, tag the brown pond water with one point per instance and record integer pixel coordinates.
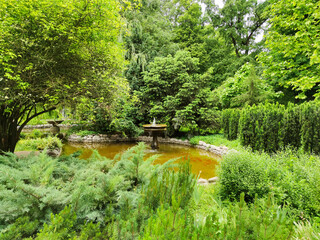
(201, 161)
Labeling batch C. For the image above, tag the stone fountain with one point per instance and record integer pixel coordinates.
(155, 130)
(55, 129)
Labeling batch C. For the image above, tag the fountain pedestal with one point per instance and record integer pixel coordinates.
(155, 130)
(55, 129)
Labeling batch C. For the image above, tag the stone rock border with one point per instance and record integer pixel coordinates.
(103, 138)
(205, 182)
(50, 152)
(42, 126)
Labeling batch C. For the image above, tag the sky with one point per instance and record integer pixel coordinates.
(219, 3)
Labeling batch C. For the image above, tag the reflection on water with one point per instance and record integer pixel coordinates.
(200, 160)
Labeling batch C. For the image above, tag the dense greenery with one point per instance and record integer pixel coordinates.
(193, 65)
(184, 61)
(293, 42)
(244, 88)
(119, 192)
(291, 177)
(270, 127)
(175, 93)
(129, 198)
(54, 52)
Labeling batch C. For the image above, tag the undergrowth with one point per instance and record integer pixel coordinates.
(38, 144)
(129, 198)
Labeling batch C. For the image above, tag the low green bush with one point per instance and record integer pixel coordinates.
(83, 133)
(243, 173)
(291, 176)
(20, 229)
(62, 226)
(34, 134)
(126, 127)
(102, 195)
(38, 144)
(264, 219)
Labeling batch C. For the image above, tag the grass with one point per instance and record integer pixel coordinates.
(217, 140)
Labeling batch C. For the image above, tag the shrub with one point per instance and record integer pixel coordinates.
(36, 133)
(20, 229)
(243, 172)
(271, 127)
(83, 133)
(39, 144)
(230, 123)
(169, 188)
(264, 219)
(310, 127)
(291, 127)
(126, 127)
(61, 227)
(117, 193)
(260, 127)
(292, 177)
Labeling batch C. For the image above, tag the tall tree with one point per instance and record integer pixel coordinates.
(53, 52)
(149, 35)
(239, 22)
(174, 92)
(244, 88)
(292, 58)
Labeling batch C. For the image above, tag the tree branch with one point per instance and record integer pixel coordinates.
(33, 116)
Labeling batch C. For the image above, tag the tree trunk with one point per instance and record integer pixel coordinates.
(9, 131)
(9, 135)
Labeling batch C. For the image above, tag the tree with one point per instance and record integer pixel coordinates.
(54, 52)
(149, 35)
(191, 34)
(239, 22)
(174, 92)
(292, 58)
(244, 88)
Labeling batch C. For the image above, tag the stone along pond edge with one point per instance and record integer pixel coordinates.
(103, 138)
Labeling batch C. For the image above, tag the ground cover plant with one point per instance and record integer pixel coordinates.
(217, 140)
(39, 144)
(128, 198)
(98, 190)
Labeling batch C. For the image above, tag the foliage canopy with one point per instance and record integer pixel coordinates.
(293, 56)
(53, 52)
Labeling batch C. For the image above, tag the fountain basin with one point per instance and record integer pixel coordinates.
(54, 122)
(155, 127)
(155, 130)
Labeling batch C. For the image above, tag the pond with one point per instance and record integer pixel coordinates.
(201, 161)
